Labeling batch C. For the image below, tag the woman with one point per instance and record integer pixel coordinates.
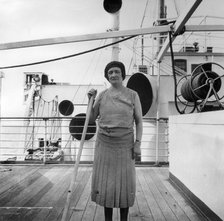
(117, 109)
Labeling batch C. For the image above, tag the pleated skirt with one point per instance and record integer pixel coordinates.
(114, 176)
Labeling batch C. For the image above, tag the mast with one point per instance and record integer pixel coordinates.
(160, 41)
(113, 7)
(116, 26)
(161, 19)
(142, 37)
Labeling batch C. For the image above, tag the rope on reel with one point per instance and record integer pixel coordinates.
(201, 90)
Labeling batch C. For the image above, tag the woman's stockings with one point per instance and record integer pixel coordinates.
(124, 214)
(108, 213)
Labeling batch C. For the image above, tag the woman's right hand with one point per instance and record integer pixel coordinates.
(92, 93)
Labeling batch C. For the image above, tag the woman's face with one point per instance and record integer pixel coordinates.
(115, 75)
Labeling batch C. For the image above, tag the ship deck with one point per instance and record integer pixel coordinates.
(38, 192)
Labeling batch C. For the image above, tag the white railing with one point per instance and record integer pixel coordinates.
(48, 140)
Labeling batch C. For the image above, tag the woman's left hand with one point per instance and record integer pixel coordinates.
(136, 149)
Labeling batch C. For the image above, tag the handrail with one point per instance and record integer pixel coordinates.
(33, 143)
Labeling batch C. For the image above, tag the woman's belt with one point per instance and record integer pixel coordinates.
(115, 132)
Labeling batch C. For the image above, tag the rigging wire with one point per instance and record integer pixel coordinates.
(142, 37)
(41, 98)
(97, 62)
(85, 75)
(191, 33)
(129, 66)
(29, 141)
(35, 131)
(90, 63)
(166, 68)
(54, 113)
(143, 17)
(213, 36)
(67, 56)
(176, 7)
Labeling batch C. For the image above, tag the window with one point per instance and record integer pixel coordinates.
(181, 64)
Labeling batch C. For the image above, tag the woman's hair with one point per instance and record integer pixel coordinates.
(115, 64)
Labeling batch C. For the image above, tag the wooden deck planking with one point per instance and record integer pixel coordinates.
(90, 211)
(59, 206)
(82, 203)
(134, 212)
(151, 202)
(50, 198)
(14, 187)
(14, 177)
(171, 202)
(165, 209)
(31, 192)
(187, 207)
(39, 193)
(143, 213)
(80, 196)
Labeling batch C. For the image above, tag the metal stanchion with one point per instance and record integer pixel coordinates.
(45, 140)
(157, 118)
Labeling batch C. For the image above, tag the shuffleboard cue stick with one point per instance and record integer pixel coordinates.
(74, 174)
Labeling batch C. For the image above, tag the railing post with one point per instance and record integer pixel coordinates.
(45, 139)
(157, 115)
(157, 141)
(167, 139)
(1, 76)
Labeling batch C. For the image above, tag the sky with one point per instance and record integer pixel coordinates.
(23, 20)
